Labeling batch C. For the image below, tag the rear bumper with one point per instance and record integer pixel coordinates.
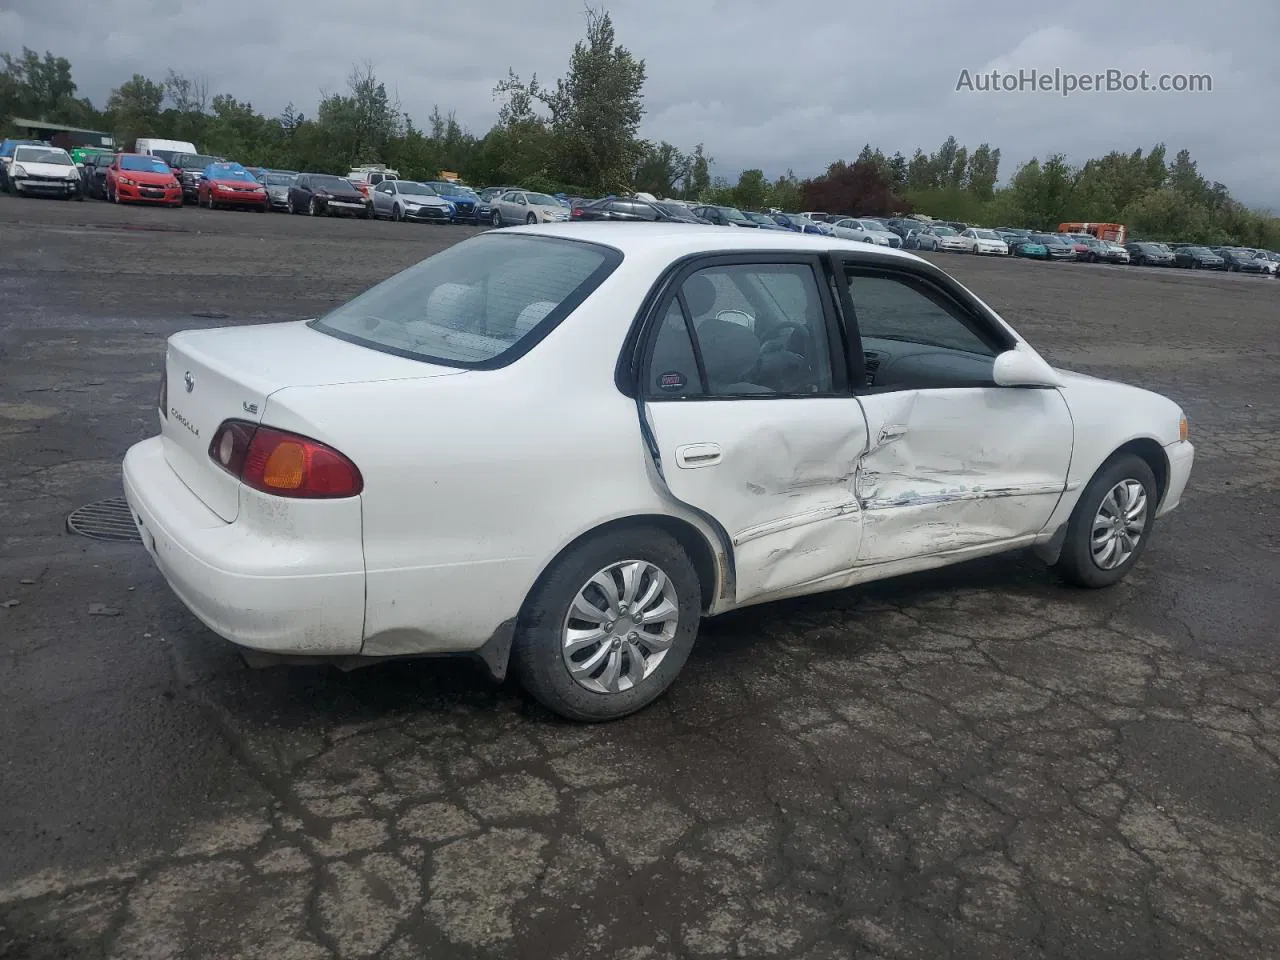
(284, 584)
(1181, 457)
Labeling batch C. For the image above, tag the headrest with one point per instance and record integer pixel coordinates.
(699, 294)
(729, 350)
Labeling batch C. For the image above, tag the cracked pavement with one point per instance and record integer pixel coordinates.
(977, 762)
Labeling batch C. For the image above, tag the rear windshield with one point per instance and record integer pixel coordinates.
(482, 302)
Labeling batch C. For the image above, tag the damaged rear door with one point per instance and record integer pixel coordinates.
(955, 461)
(750, 420)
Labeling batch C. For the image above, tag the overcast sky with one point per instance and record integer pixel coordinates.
(775, 84)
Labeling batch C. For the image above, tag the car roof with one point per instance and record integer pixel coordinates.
(678, 240)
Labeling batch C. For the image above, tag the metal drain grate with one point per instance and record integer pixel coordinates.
(109, 520)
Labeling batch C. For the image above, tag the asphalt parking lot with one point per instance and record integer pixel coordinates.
(974, 763)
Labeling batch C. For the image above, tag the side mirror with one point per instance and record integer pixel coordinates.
(1022, 368)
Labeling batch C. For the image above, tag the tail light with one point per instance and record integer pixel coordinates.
(575, 212)
(162, 401)
(283, 463)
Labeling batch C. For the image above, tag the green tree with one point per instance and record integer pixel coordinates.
(786, 193)
(897, 171)
(134, 108)
(595, 109)
(984, 171)
(699, 182)
(920, 172)
(752, 190)
(663, 169)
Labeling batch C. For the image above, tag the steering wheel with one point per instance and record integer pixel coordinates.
(792, 371)
(782, 333)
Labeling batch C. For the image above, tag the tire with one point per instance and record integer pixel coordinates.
(531, 219)
(495, 218)
(288, 206)
(1077, 563)
(396, 215)
(313, 210)
(537, 653)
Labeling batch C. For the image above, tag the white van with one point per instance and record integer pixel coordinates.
(163, 149)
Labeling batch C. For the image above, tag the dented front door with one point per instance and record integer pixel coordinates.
(960, 467)
(776, 474)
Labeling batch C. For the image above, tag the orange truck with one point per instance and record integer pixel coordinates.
(1114, 232)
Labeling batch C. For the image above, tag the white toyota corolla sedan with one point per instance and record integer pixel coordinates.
(561, 446)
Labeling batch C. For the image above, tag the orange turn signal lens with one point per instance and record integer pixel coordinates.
(1184, 429)
(286, 466)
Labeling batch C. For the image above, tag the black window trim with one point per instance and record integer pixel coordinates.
(638, 348)
(975, 317)
(613, 258)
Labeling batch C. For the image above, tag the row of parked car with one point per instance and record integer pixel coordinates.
(173, 178)
(1010, 241)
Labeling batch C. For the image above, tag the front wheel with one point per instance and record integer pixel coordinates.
(531, 219)
(396, 215)
(607, 629)
(1110, 524)
(313, 208)
(495, 218)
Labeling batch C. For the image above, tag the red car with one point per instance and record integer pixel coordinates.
(231, 185)
(141, 178)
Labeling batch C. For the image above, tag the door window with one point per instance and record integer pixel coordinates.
(889, 308)
(743, 330)
(914, 336)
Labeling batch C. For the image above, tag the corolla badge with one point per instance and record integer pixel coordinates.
(189, 380)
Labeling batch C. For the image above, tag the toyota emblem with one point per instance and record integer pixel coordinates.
(189, 380)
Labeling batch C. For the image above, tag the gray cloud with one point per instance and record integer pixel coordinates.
(763, 83)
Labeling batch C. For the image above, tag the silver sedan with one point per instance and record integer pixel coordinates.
(410, 200)
(522, 206)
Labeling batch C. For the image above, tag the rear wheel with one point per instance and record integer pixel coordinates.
(1110, 524)
(607, 629)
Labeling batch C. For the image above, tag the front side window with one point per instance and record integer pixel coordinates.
(476, 302)
(898, 309)
(753, 330)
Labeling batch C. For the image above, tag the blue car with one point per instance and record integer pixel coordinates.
(466, 200)
(6, 157)
(797, 224)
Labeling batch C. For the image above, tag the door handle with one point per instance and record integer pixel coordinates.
(892, 431)
(693, 455)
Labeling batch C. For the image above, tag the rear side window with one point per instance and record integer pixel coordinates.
(481, 303)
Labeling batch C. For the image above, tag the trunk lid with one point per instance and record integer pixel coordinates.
(228, 373)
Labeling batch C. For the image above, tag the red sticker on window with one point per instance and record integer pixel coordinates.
(672, 381)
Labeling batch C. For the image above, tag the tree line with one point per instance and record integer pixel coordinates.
(580, 135)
